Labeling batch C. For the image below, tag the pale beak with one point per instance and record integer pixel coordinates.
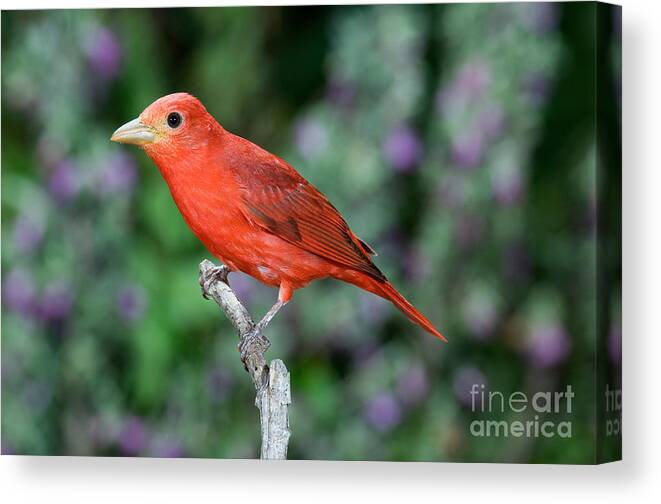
(134, 132)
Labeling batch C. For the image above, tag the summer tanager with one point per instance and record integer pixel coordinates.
(251, 209)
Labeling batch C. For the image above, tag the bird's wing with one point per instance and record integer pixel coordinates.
(279, 200)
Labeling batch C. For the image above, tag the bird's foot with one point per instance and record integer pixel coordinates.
(211, 276)
(253, 342)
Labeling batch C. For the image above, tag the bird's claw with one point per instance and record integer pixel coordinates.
(253, 342)
(211, 276)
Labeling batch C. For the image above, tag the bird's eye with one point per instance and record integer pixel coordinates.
(174, 120)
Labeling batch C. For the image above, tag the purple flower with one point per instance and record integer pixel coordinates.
(548, 346)
(491, 122)
(467, 149)
(131, 303)
(28, 233)
(133, 437)
(456, 98)
(473, 79)
(615, 344)
(382, 412)
(243, 286)
(507, 186)
(311, 138)
(56, 302)
(64, 183)
(341, 93)
(167, 447)
(541, 17)
(412, 385)
(480, 314)
(464, 380)
(402, 148)
(118, 176)
(105, 53)
(18, 291)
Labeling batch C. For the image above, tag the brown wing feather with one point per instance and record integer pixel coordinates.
(281, 201)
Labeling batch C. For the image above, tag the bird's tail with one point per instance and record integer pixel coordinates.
(384, 289)
(390, 293)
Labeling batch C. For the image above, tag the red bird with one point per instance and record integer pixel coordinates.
(251, 209)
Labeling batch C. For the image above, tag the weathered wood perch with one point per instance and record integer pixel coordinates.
(271, 380)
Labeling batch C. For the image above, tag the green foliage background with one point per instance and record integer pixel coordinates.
(459, 141)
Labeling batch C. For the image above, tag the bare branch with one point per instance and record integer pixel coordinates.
(271, 381)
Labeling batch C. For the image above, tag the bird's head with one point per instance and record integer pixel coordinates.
(172, 124)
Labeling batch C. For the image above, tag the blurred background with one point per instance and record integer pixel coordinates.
(458, 140)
